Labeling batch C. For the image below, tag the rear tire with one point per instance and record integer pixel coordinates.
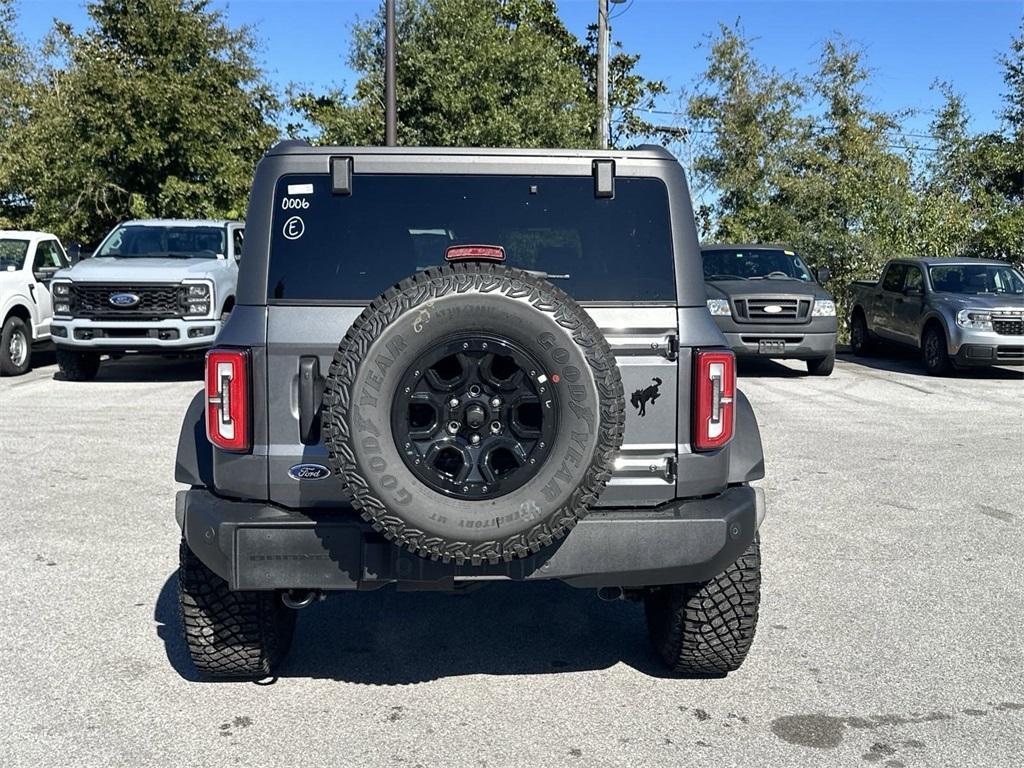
(78, 366)
(822, 366)
(15, 347)
(706, 629)
(861, 340)
(230, 634)
(934, 353)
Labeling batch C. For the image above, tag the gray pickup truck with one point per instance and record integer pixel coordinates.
(768, 303)
(958, 312)
(447, 367)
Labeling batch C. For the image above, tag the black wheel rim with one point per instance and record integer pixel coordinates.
(474, 417)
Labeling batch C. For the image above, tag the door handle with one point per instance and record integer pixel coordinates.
(311, 391)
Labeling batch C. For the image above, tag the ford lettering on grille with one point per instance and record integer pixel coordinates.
(123, 299)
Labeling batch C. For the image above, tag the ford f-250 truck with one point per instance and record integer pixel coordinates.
(160, 286)
(957, 312)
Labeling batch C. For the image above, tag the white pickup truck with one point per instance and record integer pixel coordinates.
(154, 286)
(28, 261)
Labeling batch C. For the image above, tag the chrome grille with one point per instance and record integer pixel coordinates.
(755, 309)
(155, 301)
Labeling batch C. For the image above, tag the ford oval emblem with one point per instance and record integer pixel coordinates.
(773, 309)
(309, 472)
(123, 299)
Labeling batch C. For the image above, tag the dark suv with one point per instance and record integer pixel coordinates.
(451, 366)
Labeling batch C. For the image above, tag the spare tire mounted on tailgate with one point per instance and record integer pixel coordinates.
(475, 412)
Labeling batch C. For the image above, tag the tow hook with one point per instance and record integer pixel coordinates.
(296, 600)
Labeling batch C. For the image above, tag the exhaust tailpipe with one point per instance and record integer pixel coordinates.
(610, 594)
(295, 601)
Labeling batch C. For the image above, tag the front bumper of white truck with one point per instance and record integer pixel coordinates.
(170, 334)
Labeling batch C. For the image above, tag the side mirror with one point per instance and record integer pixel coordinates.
(823, 274)
(44, 275)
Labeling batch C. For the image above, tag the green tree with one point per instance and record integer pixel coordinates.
(157, 109)
(475, 73)
(744, 130)
(852, 200)
(15, 77)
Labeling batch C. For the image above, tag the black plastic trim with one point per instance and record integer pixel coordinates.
(258, 546)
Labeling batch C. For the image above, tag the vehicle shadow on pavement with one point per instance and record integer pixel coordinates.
(756, 368)
(396, 638)
(896, 359)
(147, 369)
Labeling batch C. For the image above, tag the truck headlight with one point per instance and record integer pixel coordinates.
(196, 299)
(823, 308)
(719, 307)
(978, 319)
(61, 308)
(61, 290)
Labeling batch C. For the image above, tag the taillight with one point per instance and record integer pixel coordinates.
(228, 411)
(715, 386)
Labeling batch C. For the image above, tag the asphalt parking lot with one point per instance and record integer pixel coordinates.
(890, 630)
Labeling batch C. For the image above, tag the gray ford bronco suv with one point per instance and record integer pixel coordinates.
(449, 366)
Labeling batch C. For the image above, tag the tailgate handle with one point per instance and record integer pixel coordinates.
(311, 392)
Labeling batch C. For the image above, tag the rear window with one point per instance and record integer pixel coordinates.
(328, 247)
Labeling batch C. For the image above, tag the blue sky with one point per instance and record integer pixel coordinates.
(907, 44)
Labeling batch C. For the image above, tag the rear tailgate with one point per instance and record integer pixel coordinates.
(301, 339)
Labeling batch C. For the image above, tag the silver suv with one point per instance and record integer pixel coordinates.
(153, 286)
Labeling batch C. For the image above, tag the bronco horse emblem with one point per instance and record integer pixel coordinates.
(642, 397)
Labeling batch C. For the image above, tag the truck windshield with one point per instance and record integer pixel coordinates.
(754, 264)
(158, 241)
(976, 279)
(328, 247)
(12, 254)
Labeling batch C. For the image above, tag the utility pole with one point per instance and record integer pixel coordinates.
(602, 71)
(390, 106)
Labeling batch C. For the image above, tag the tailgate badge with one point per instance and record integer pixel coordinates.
(309, 472)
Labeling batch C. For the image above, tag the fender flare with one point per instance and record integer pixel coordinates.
(194, 462)
(746, 455)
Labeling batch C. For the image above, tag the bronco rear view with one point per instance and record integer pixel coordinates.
(451, 366)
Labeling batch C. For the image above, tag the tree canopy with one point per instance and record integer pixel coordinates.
(477, 73)
(157, 109)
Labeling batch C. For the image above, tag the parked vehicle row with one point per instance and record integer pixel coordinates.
(957, 313)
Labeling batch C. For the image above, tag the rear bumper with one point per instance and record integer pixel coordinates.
(802, 346)
(259, 546)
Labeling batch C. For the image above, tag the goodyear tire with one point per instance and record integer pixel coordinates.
(474, 412)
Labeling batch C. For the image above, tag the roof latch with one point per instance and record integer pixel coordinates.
(604, 178)
(341, 175)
